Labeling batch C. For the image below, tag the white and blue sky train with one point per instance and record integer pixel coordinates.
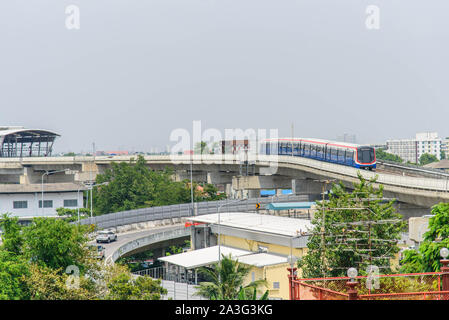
(349, 154)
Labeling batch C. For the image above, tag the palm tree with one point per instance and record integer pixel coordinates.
(225, 280)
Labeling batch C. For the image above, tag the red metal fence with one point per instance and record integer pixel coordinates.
(411, 286)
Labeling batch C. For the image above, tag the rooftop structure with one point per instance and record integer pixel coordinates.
(442, 165)
(18, 142)
(289, 205)
(276, 225)
(209, 256)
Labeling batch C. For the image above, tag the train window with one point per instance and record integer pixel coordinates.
(365, 155)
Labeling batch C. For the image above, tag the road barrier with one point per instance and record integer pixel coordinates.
(122, 218)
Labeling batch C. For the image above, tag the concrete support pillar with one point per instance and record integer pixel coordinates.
(253, 193)
(228, 189)
(307, 186)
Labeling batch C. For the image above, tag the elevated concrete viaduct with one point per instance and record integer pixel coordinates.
(415, 194)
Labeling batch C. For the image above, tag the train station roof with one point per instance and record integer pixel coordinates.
(23, 142)
(208, 256)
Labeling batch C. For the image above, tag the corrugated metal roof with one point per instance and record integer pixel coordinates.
(262, 259)
(289, 205)
(202, 257)
(208, 256)
(284, 226)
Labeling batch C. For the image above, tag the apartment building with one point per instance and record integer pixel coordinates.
(412, 149)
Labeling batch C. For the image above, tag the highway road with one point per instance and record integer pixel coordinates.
(175, 290)
(123, 238)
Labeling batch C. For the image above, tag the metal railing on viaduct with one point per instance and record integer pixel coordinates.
(128, 217)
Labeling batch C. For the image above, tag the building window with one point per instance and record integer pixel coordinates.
(71, 203)
(20, 204)
(47, 203)
(276, 285)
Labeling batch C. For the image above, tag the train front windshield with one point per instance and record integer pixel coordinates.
(365, 155)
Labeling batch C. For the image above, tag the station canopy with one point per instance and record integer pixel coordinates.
(18, 142)
(208, 256)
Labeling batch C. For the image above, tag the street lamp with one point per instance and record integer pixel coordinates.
(352, 292)
(352, 273)
(444, 252)
(92, 185)
(42, 184)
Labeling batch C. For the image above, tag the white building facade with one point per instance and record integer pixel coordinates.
(25, 201)
(412, 149)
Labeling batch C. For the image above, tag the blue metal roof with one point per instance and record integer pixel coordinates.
(289, 205)
(267, 192)
(273, 192)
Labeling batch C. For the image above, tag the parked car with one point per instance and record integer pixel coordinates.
(106, 236)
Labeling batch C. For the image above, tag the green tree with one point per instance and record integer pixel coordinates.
(442, 155)
(427, 258)
(243, 295)
(55, 243)
(382, 155)
(177, 249)
(34, 261)
(427, 158)
(13, 269)
(132, 185)
(45, 283)
(122, 286)
(72, 214)
(12, 236)
(70, 154)
(225, 280)
(360, 229)
(201, 148)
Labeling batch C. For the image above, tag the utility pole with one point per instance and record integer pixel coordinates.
(323, 240)
(91, 181)
(191, 180)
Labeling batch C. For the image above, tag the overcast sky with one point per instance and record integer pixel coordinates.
(137, 69)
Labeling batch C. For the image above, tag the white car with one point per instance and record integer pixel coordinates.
(106, 236)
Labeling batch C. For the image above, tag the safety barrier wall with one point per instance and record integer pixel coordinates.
(183, 210)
